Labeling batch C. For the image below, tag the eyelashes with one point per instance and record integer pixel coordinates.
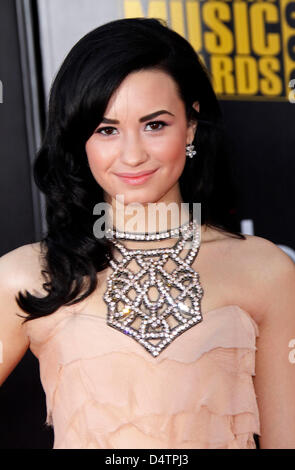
(101, 130)
(161, 123)
(108, 130)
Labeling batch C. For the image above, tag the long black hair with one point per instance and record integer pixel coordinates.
(88, 77)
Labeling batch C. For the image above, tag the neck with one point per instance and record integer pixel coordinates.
(147, 217)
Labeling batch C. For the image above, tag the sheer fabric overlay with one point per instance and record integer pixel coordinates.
(104, 390)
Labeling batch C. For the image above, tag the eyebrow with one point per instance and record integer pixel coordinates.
(142, 119)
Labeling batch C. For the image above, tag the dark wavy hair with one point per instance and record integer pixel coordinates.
(88, 77)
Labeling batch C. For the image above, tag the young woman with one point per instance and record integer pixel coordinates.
(138, 345)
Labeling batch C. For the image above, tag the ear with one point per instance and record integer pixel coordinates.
(192, 125)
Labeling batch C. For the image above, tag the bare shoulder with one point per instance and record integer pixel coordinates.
(21, 268)
(256, 274)
(263, 257)
(266, 272)
(257, 255)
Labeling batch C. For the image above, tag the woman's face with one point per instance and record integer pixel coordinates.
(144, 130)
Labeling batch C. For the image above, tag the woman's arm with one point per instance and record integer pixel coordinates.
(17, 272)
(275, 370)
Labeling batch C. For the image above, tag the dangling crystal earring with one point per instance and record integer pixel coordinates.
(190, 151)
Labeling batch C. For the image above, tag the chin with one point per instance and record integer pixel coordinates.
(144, 199)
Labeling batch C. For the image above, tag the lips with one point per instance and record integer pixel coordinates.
(136, 178)
(135, 175)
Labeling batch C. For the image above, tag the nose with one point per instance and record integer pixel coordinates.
(133, 152)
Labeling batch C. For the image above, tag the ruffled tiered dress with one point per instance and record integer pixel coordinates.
(104, 390)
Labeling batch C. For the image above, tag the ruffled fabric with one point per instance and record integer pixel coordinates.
(104, 390)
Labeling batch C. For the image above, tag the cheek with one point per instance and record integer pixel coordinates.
(98, 163)
(172, 151)
(98, 157)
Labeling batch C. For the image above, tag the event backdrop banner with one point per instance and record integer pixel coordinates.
(249, 50)
(248, 46)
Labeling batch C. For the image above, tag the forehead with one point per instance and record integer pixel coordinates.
(145, 91)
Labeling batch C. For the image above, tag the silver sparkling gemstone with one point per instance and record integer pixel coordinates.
(153, 318)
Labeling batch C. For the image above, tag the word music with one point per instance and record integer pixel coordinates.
(248, 46)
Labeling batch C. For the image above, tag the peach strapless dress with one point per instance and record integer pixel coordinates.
(104, 390)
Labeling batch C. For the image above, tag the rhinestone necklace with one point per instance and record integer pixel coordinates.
(130, 309)
(148, 236)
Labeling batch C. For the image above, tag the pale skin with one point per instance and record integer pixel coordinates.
(132, 141)
(256, 275)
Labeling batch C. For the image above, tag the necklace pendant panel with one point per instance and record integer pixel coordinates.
(154, 295)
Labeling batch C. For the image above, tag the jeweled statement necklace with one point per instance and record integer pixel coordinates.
(155, 323)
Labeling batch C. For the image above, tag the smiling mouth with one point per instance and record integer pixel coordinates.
(136, 178)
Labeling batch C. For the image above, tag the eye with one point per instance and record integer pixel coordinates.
(106, 130)
(157, 125)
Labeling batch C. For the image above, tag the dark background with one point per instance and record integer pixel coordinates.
(22, 400)
(261, 139)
